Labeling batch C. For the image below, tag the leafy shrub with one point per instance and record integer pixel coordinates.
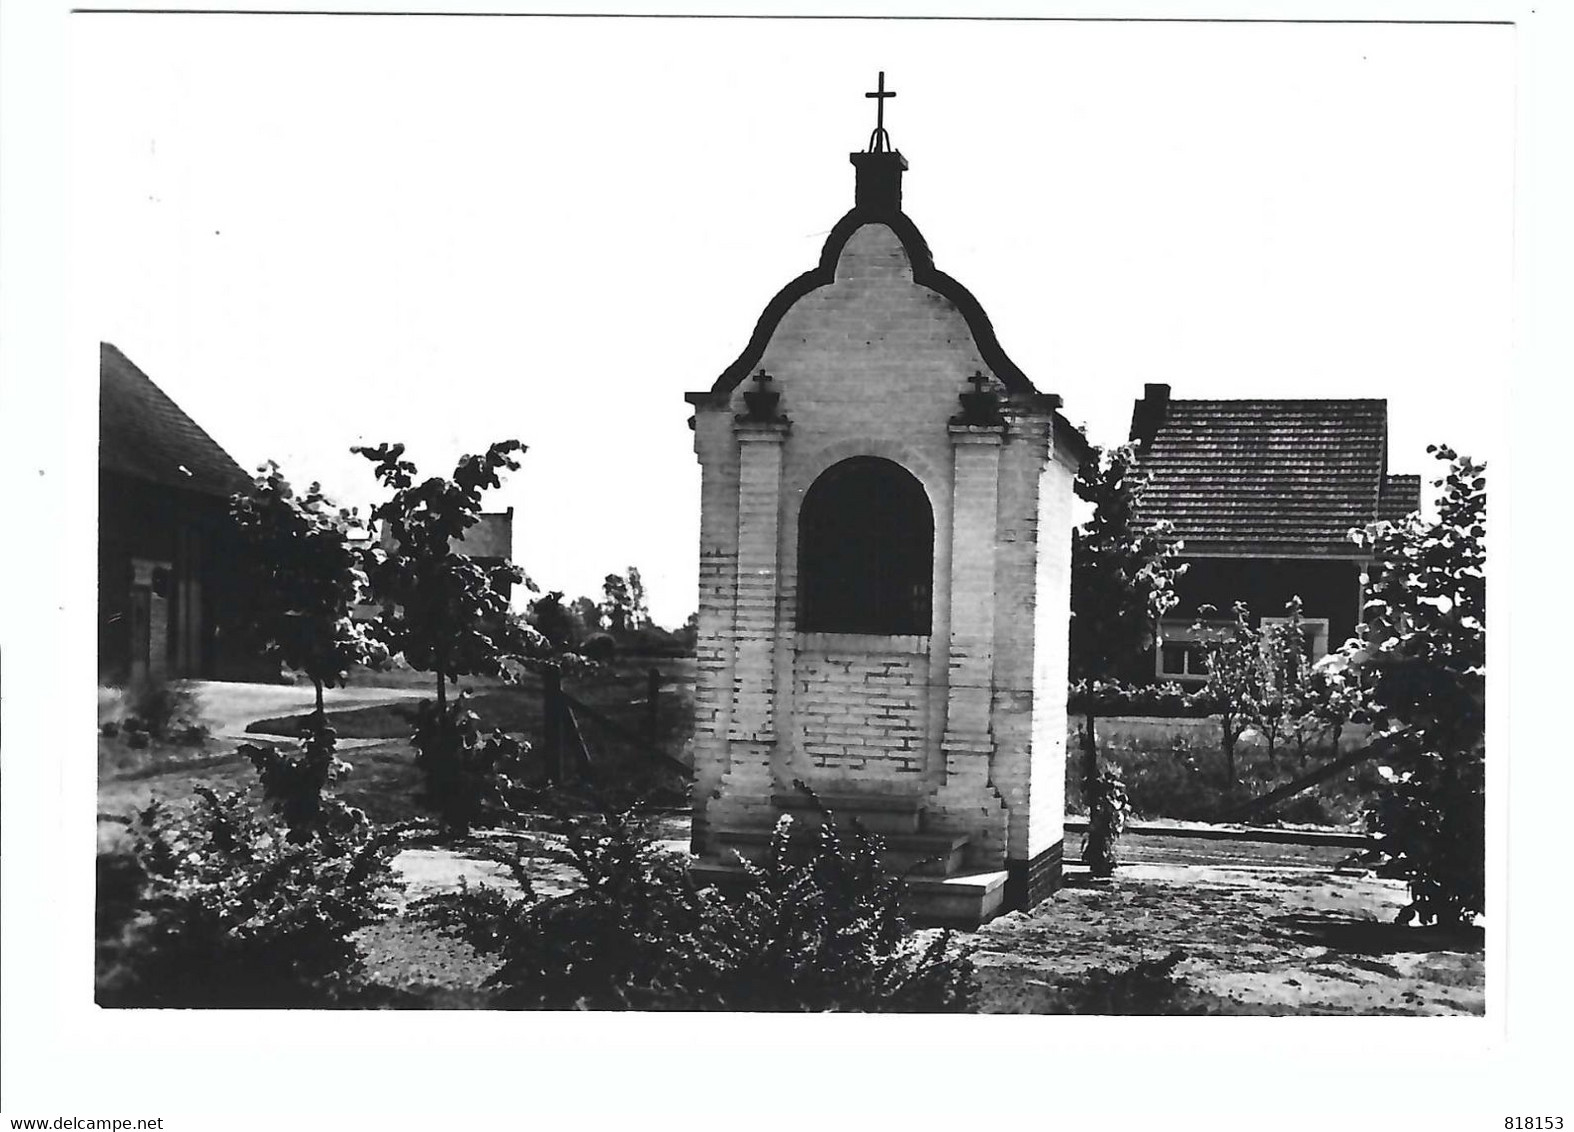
(467, 774)
(216, 907)
(1107, 815)
(294, 784)
(1423, 643)
(826, 933)
(812, 928)
(599, 648)
(1112, 698)
(164, 710)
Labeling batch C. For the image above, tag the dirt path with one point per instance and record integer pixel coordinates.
(229, 707)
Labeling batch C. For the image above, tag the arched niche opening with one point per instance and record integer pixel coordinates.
(866, 549)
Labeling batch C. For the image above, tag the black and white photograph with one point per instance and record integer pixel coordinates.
(596, 535)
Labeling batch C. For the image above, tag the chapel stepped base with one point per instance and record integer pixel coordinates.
(965, 900)
(876, 814)
(918, 854)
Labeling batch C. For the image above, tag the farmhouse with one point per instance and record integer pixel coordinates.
(1263, 494)
(489, 543)
(164, 534)
(884, 573)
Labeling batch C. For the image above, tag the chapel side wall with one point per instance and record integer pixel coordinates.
(717, 452)
(1051, 619)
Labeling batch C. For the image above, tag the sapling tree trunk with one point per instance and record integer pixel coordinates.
(1090, 752)
(1229, 735)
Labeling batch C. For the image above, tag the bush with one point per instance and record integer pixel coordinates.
(1111, 698)
(164, 710)
(294, 785)
(817, 929)
(599, 648)
(1106, 822)
(217, 908)
(1423, 644)
(467, 774)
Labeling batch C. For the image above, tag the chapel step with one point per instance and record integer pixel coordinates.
(966, 900)
(874, 812)
(925, 854)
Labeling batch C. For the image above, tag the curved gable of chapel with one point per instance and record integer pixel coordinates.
(924, 274)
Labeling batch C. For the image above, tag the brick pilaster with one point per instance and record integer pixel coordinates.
(967, 798)
(975, 505)
(751, 728)
(754, 622)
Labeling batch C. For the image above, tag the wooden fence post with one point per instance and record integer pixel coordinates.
(552, 724)
(652, 708)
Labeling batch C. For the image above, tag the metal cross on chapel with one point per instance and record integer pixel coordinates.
(880, 141)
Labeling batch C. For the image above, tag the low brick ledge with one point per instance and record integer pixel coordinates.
(896, 842)
(850, 803)
(1206, 832)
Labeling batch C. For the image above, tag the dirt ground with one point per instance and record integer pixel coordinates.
(1264, 929)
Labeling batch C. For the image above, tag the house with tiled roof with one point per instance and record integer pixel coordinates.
(1263, 494)
(166, 544)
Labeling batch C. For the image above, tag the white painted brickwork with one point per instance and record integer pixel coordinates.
(861, 715)
(972, 717)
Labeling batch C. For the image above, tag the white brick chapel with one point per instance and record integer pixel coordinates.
(884, 574)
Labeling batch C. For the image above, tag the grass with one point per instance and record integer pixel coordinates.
(1188, 780)
(383, 779)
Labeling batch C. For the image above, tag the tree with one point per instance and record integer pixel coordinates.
(555, 621)
(447, 613)
(1422, 646)
(1122, 581)
(1286, 674)
(588, 613)
(1233, 659)
(639, 612)
(1334, 698)
(617, 606)
(301, 578)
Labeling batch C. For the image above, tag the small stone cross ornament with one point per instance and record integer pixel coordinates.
(980, 405)
(762, 400)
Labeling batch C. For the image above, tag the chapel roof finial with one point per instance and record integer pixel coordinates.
(880, 141)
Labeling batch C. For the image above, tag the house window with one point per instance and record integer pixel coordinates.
(1179, 660)
(1182, 655)
(1314, 632)
(866, 549)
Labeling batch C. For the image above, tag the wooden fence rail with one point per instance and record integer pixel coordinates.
(564, 741)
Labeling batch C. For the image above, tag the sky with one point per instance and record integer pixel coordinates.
(317, 232)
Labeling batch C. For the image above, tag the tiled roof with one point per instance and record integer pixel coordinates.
(144, 435)
(1401, 495)
(1266, 476)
